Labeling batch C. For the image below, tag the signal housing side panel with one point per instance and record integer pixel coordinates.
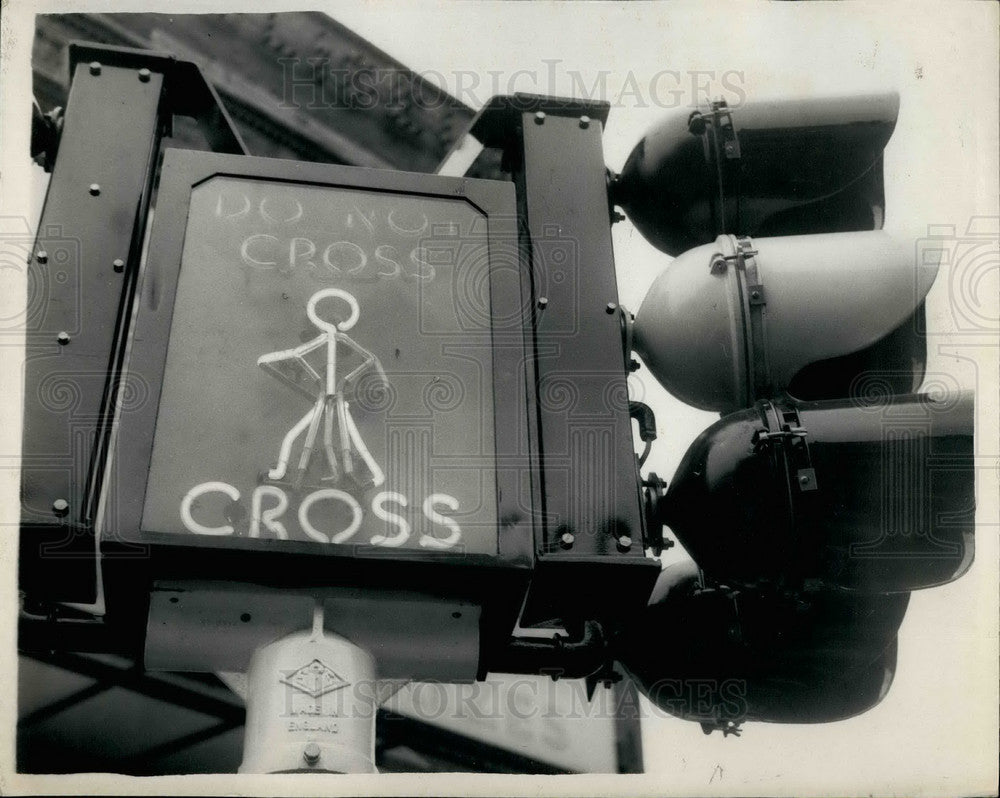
(83, 267)
(590, 480)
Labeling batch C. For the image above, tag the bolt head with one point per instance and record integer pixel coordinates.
(540, 117)
(311, 753)
(610, 308)
(144, 75)
(95, 67)
(63, 338)
(755, 294)
(567, 539)
(95, 189)
(118, 264)
(60, 507)
(584, 122)
(624, 543)
(804, 479)
(543, 302)
(42, 256)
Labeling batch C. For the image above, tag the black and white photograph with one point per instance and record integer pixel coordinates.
(496, 397)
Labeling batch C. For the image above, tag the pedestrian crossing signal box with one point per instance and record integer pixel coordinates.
(308, 377)
(335, 361)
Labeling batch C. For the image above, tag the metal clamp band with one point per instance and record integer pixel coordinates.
(787, 442)
(753, 300)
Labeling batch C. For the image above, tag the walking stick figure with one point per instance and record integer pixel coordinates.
(326, 390)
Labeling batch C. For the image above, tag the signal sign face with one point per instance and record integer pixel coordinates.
(329, 375)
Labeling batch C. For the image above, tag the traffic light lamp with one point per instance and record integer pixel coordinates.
(833, 495)
(723, 656)
(742, 319)
(771, 168)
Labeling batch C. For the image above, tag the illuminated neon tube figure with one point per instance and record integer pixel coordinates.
(329, 406)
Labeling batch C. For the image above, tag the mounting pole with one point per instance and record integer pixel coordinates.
(311, 705)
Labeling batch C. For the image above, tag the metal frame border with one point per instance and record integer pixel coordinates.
(182, 171)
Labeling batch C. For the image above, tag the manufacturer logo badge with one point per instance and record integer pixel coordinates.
(314, 679)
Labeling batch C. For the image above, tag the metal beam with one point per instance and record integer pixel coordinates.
(170, 689)
(50, 710)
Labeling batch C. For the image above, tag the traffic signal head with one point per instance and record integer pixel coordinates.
(740, 319)
(771, 168)
(836, 495)
(752, 656)
(829, 490)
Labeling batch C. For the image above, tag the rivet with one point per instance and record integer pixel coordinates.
(95, 67)
(804, 479)
(118, 264)
(755, 294)
(144, 75)
(584, 122)
(60, 507)
(543, 302)
(63, 338)
(311, 753)
(624, 543)
(610, 308)
(42, 256)
(95, 189)
(567, 539)
(539, 117)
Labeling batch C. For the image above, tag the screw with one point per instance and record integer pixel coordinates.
(95, 67)
(42, 256)
(566, 541)
(118, 264)
(311, 753)
(540, 117)
(610, 308)
(543, 302)
(63, 338)
(617, 216)
(633, 365)
(144, 75)
(584, 122)
(95, 189)
(60, 507)
(624, 543)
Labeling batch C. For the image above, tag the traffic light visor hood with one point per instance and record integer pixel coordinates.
(737, 320)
